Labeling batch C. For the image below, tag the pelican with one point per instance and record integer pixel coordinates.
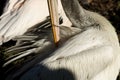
(89, 49)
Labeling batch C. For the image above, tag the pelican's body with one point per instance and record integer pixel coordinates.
(90, 55)
(91, 52)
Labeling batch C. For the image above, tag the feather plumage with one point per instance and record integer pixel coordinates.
(88, 51)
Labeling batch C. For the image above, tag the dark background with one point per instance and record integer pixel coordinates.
(2, 4)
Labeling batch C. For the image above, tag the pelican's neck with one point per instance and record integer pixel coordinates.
(75, 12)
